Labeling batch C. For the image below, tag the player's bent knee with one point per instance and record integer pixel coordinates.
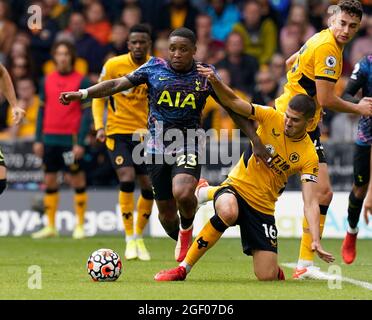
(267, 275)
(325, 196)
(360, 192)
(229, 216)
(183, 196)
(227, 210)
(2, 185)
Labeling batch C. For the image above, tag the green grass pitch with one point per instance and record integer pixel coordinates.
(223, 273)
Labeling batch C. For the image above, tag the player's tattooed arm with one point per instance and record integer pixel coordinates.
(109, 87)
(100, 90)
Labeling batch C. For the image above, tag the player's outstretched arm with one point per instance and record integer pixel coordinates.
(351, 89)
(327, 99)
(102, 89)
(226, 96)
(7, 88)
(312, 213)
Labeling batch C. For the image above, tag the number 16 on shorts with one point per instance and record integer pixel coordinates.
(271, 233)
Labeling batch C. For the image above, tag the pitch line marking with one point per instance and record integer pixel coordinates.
(327, 276)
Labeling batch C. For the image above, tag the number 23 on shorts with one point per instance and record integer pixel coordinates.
(189, 161)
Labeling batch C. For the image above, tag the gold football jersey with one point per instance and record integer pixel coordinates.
(319, 58)
(261, 186)
(127, 110)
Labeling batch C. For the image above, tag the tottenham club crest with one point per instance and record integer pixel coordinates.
(331, 61)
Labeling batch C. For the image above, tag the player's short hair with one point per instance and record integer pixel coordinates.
(70, 47)
(141, 28)
(352, 7)
(184, 33)
(304, 104)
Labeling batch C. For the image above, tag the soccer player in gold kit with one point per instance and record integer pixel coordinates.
(247, 197)
(127, 115)
(314, 71)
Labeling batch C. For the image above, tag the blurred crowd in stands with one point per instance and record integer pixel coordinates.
(247, 41)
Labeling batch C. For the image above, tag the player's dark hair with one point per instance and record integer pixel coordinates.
(141, 28)
(184, 33)
(70, 47)
(304, 104)
(352, 7)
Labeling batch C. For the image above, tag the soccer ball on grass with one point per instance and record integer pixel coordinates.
(104, 265)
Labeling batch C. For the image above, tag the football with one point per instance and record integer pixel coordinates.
(104, 265)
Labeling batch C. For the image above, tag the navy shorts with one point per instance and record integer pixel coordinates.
(162, 174)
(361, 164)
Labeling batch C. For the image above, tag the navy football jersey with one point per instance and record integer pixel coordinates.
(176, 100)
(361, 78)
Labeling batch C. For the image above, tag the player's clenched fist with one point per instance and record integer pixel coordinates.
(365, 106)
(67, 97)
(207, 72)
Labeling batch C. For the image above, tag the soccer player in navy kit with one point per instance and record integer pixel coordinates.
(361, 78)
(177, 95)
